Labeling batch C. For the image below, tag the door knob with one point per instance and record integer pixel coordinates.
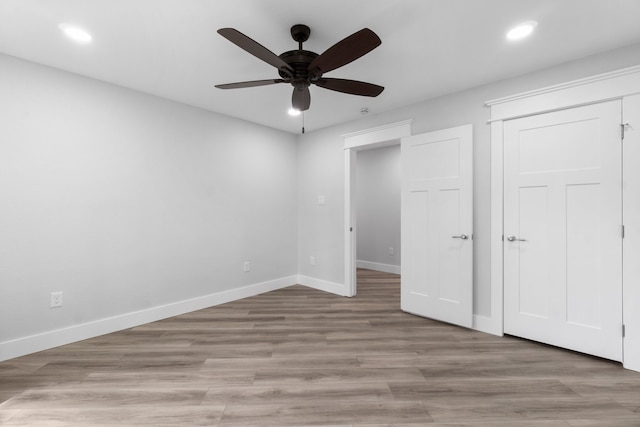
(514, 238)
(462, 236)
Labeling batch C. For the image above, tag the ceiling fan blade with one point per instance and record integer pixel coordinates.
(345, 51)
(253, 83)
(301, 98)
(353, 87)
(255, 48)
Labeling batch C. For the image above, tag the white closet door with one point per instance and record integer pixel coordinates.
(437, 219)
(562, 229)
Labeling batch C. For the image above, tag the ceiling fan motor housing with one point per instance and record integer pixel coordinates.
(299, 61)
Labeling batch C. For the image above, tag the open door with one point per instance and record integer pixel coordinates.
(437, 221)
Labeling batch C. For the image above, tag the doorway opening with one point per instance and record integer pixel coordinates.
(383, 136)
(378, 188)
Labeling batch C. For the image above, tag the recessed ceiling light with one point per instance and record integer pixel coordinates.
(294, 112)
(522, 30)
(76, 34)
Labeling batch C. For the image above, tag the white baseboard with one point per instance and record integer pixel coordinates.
(323, 285)
(34, 343)
(377, 266)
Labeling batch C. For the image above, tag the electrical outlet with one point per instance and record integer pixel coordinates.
(246, 267)
(312, 260)
(56, 299)
(391, 251)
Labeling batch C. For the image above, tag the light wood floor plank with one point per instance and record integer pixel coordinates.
(302, 357)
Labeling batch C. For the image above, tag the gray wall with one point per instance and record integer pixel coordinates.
(378, 208)
(126, 202)
(321, 164)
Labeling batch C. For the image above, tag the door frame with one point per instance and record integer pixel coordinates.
(367, 139)
(591, 90)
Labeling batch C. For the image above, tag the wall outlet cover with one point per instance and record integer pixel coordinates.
(56, 299)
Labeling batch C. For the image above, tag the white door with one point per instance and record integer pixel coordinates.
(437, 220)
(562, 229)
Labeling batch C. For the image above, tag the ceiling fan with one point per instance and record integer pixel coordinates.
(302, 68)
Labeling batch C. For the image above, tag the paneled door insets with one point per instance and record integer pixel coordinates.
(437, 220)
(562, 229)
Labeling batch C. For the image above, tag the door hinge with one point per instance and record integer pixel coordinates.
(623, 231)
(623, 331)
(351, 229)
(623, 127)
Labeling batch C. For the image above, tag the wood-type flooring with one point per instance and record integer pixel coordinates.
(302, 357)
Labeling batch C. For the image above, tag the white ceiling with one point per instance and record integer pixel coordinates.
(170, 48)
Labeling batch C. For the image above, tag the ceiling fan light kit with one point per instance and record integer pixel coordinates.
(302, 68)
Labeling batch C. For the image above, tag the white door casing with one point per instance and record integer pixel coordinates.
(621, 84)
(366, 139)
(562, 229)
(437, 221)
